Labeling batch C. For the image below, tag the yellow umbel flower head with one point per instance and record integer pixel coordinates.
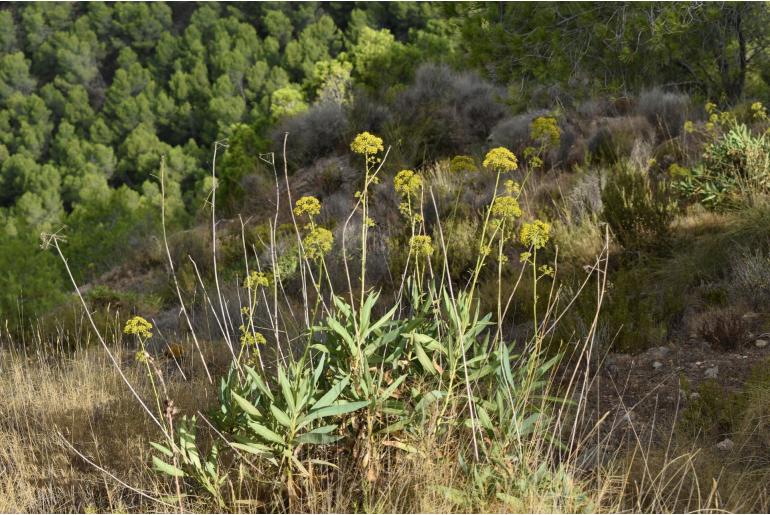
(501, 159)
(318, 242)
(506, 209)
(421, 245)
(367, 144)
(307, 205)
(462, 164)
(407, 183)
(138, 326)
(535, 234)
(512, 187)
(251, 338)
(256, 280)
(545, 130)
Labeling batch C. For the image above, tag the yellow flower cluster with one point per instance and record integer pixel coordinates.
(676, 170)
(545, 130)
(307, 205)
(138, 326)
(421, 245)
(256, 280)
(407, 183)
(318, 242)
(689, 127)
(460, 164)
(505, 209)
(512, 187)
(501, 159)
(535, 234)
(251, 338)
(758, 111)
(367, 144)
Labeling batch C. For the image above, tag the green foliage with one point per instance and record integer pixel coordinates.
(33, 281)
(528, 44)
(734, 169)
(638, 212)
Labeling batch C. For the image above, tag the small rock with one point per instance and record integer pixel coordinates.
(725, 445)
(694, 396)
(656, 365)
(749, 315)
(760, 343)
(711, 373)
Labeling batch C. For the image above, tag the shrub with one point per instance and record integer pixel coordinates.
(613, 139)
(735, 168)
(638, 213)
(665, 110)
(723, 328)
(445, 112)
(315, 133)
(514, 132)
(750, 271)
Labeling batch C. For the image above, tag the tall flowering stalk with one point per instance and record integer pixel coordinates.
(367, 145)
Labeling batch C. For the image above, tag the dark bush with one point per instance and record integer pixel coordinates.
(317, 132)
(666, 111)
(444, 112)
(637, 211)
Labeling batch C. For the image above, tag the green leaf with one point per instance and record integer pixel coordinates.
(162, 449)
(257, 380)
(424, 360)
(166, 468)
(280, 416)
(286, 390)
(333, 411)
(342, 333)
(266, 433)
(332, 394)
(392, 388)
(318, 439)
(246, 405)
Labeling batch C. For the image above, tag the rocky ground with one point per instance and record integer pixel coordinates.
(639, 397)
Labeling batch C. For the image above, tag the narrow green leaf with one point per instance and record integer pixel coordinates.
(166, 468)
(246, 405)
(266, 433)
(424, 360)
(280, 416)
(332, 411)
(332, 394)
(164, 450)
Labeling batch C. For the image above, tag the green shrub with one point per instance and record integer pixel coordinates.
(734, 169)
(638, 212)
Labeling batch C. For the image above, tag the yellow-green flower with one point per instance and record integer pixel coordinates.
(367, 144)
(506, 209)
(251, 338)
(460, 164)
(535, 162)
(307, 205)
(676, 170)
(710, 107)
(256, 280)
(138, 326)
(318, 242)
(421, 245)
(689, 127)
(501, 159)
(407, 183)
(512, 187)
(535, 234)
(758, 111)
(545, 130)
